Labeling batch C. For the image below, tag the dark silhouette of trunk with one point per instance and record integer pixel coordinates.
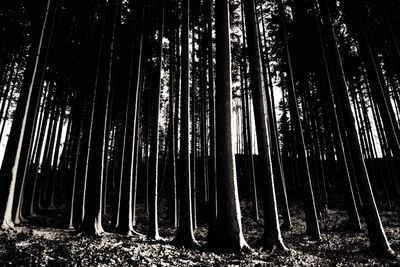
(111, 90)
(248, 147)
(275, 153)
(75, 151)
(193, 151)
(203, 115)
(92, 220)
(154, 144)
(211, 98)
(25, 162)
(327, 95)
(272, 234)
(184, 233)
(228, 233)
(379, 89)
(138, 161)
(35, 196)
(55, 174)
(125, 201)
(173, 90)
(248, 128)
(311, 213)
(8, 97)
(22, 127)
(89, 52)
(378, 240)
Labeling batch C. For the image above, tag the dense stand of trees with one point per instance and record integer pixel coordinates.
(105, 104)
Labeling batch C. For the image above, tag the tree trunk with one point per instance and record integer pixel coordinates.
(184, 235)
(311, 213)
(20, 126)
(272, 234)
(125, 220)
(277, 164)
(211, 97)
(378, 240)
(154, 145)
(229, 235)
(92, 221)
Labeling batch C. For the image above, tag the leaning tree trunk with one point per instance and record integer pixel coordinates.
(19, 129)
(272, 234)
(378, 240)
(277, 164)
(327, 95)
(379, 89)
(311, 213)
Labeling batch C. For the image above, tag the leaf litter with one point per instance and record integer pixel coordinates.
(44, 246)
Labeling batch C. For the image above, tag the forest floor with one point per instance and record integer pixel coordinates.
(44, 246)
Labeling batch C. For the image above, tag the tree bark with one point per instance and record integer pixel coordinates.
(21, 126)
(378, 240)
(154, 144)
(311, 213)
(229, 235)
(272, 234)
(184, 235)
(125, 219)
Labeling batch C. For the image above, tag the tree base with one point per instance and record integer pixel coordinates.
(313, 236)
(91, 229)
(286, 227)
(21, 220)
(352, 226)
(7, 225)
(128, 232)
(220, 244)
(89, 232)
(153, 237)
(388, 254)
(186, 242)
(270, 244)
(32, 215)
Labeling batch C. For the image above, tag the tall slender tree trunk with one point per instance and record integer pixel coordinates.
(75, 150)
(185, 235)
(20, 129)
(277, 164)
(378, 240)
(379, 89)
(248, 125)
(272, 234)
(193, 146)
(125, 219)
(229, 235)
(211, 97)
(311, 213)
(154, 145)
(172, 198)
(327, 95)
(92, 221)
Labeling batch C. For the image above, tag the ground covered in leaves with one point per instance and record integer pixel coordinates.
(43, 246)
